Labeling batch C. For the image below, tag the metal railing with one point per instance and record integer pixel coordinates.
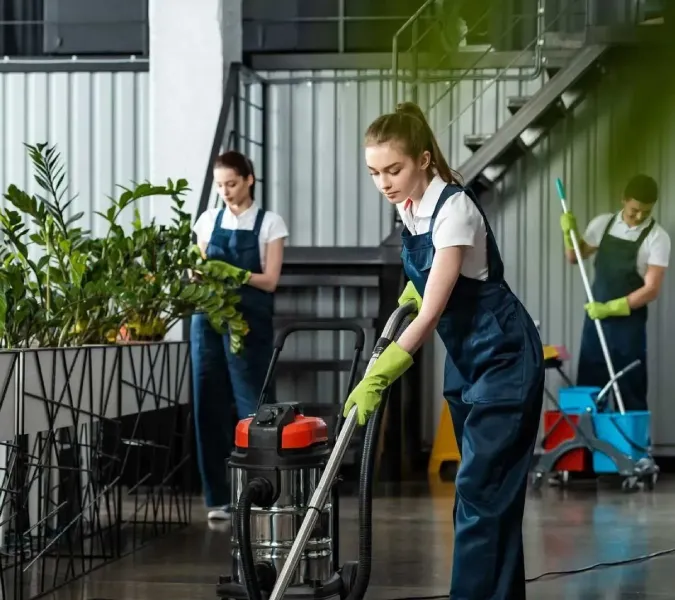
(549, 16)
(543, 24)
(242, 126)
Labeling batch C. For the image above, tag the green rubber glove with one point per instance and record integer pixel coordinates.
(614, 308)
(367, 395)
(410, 293)
(568, 223)
(225, 269)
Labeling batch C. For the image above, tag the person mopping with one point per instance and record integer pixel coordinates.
(632, 253)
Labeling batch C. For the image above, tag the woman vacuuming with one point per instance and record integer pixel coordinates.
(252, 240)
(494, 370)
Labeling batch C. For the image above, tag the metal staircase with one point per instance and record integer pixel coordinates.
(563, 87)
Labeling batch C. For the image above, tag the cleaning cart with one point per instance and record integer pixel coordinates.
(596, 421)
(618, 443)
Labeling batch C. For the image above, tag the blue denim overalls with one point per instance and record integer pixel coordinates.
(220, 378)
(494, 378)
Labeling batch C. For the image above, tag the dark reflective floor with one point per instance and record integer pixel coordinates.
(564, 529)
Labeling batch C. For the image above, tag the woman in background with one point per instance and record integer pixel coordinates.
(249, 239)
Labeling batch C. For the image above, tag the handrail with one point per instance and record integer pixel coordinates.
(538, 50)
(230, 92)
(227, 107)
(499, 76)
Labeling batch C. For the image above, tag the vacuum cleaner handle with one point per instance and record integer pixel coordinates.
(319, 325)
(359, 343)
(393, 328)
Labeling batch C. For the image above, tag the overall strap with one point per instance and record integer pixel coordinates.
(645, 233)
(609, 226)
(448, 191)
(258, 221)
(219, 219)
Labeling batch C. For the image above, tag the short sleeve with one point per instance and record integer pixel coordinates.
(596, 228)
(203, 228)
(275, 227)
(659, 249)
(458, 223)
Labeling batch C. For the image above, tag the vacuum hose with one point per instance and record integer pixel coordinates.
(257, 491)
(366, 478)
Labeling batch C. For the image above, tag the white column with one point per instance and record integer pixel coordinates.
(192, 45)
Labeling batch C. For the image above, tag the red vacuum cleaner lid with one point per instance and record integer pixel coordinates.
(302, 433)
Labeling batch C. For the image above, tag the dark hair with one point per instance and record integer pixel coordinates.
(643, 189)
(409, 126)
(239, 162)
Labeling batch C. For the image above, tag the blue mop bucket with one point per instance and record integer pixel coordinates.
(620, 430)
(578, 399)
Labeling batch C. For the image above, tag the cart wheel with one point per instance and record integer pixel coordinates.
(650, 481)
(537, 480)
(629, 484)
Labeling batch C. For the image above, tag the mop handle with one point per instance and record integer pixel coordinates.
(589, 295)
(318, 499)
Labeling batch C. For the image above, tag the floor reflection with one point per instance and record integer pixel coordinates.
(412, 549)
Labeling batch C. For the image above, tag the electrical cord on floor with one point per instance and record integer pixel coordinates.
(600, 565)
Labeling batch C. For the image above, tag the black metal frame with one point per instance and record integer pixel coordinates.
(239, 77)
(100, 462)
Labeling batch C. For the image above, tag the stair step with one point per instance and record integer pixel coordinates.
(474, 141)
(312, 280)
(512, 153)
(515, 103)
(548, 119)
(284, 320)
(307, 365)
(552, 71)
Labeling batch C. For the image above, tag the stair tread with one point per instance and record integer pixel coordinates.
(310, 280)
(519, 99)
(283, 320)
(318, 364)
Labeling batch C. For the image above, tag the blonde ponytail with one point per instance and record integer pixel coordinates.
(409, 126)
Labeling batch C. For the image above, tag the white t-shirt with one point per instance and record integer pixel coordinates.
(458, 223)
(272, 228)
(655, 250)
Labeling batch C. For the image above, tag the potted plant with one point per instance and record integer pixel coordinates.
(60, 287)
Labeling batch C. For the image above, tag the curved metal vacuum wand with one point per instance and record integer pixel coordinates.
(318, 499)
(589, 294)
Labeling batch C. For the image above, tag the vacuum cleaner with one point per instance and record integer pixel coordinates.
(618, 439)
(284, 468)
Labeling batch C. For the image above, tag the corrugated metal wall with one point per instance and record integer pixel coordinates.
(318, 182)
(318, 179)
(320, 185)
(99, 121)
